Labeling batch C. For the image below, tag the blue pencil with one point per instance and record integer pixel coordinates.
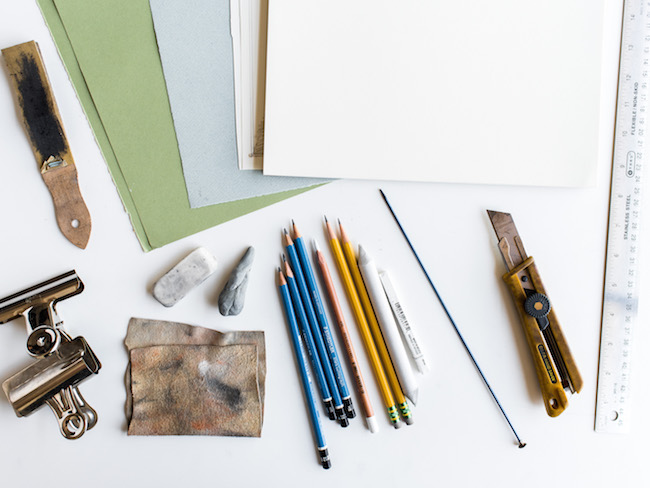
(313, 324)
(309, 341)
(304, 373)
(322, 320)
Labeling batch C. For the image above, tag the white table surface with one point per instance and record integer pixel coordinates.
(459, 437)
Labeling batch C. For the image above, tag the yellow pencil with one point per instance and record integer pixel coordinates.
(364, 329)
(351, 258)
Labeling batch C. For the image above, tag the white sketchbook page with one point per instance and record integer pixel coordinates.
(501, 92)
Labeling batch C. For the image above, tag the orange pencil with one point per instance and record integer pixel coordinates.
(340, 320)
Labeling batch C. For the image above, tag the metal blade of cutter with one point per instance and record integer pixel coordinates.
(510, 244)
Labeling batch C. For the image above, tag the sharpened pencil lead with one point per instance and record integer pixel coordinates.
(330, 231)
(287, 238)
(296, 232)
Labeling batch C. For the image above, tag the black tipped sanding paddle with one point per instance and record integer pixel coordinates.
(47, 138)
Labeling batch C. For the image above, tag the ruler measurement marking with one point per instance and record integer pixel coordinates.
(620, 296)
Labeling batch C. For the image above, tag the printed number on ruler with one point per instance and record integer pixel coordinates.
(620, 302)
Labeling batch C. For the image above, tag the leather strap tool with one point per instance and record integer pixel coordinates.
(554, 364)
(61, 361)
(48, 140)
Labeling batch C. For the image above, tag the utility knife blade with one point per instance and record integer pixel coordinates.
(512, 249)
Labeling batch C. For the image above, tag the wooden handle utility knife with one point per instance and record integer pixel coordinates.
(46, 135)
(556, 369)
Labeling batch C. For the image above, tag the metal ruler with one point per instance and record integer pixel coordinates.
(620, 302)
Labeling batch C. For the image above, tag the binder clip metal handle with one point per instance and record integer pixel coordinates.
(62, 363)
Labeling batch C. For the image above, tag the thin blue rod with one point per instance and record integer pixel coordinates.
(444, 307)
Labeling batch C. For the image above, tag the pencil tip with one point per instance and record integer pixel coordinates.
(287, 238)
(344, 235)
(280, 278)
(296, 232)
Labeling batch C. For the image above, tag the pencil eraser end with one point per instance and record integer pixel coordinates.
(409, 420)
(397, 424)
(373, 426)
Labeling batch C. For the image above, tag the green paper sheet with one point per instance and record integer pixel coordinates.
(109, 50)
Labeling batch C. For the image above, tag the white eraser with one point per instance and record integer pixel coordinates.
(193, 270)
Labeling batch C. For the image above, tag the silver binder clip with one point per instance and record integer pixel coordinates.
(61, 362)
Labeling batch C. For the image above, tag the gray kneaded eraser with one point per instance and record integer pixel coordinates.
(231, 299)
(190, 272)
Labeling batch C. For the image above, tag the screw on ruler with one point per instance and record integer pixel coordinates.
(620, 299)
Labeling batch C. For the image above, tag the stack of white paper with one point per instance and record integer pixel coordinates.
(248, 27)
(501, 92)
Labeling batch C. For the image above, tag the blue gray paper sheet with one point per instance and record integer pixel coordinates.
(195, 45)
